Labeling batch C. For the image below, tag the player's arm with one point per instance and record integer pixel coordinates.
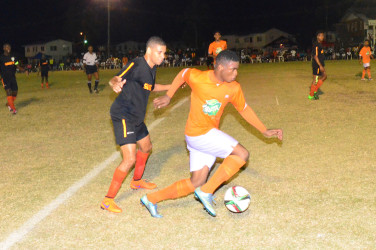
(117, 82)
(161, 87)
(210, 51)
(163, 101)
(250, 116)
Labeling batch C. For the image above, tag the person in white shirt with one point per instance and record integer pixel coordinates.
(90, 62)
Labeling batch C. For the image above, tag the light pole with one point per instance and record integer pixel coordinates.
(108, 28)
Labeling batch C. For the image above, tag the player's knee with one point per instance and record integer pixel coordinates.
(127, 163)
(242, 152)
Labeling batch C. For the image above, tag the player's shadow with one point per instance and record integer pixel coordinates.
(101, 87)
(27, 102)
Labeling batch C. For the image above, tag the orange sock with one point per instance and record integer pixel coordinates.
(47, 85)
(11, 102)
(369, 73)
(313, 89)
(41, 84)
(226, 170)
(178, 189)
(139, 168)
(116, 182)
(364, 73)
(14, 98)
(318, 85)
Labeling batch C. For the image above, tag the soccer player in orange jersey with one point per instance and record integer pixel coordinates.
(366, 54)
(217, 46)
(211, 92)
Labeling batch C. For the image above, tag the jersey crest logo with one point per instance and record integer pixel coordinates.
(148, 86)
(211, 107)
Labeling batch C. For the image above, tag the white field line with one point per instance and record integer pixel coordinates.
(276, 99)
(29, 225)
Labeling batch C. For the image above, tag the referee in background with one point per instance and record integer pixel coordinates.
(90, 62)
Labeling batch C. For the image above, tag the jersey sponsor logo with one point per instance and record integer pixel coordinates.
(211, 107)
(226, 96)
(148, 86)
(218, 50)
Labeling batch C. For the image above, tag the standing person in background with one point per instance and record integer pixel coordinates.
(366, 54)
(44, 67)
(8, 65)
(90, 62)
(216, 47)
(318, 64)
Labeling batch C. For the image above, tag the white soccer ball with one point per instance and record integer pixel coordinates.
(237, 199)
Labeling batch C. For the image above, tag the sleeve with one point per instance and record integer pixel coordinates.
(238, 100)
(225, 45)
(126, 70)
(84, 59)
(182, 77)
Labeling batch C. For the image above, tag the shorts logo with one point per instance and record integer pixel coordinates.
(211, 107)
(218, 50)
(129, 133)
(148, 86)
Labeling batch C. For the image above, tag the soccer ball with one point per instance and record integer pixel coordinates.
(237, 199)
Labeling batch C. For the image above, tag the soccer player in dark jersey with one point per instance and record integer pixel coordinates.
(8, 65)
(318, 64)
(44, 66)
(134, 83)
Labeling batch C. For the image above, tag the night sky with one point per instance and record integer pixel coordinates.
(193, 21)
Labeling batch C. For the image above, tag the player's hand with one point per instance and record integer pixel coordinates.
(322, 69)
(117, 84)
(274, 133)
(161, 101)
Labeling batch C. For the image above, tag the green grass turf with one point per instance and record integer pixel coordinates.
(314, 190)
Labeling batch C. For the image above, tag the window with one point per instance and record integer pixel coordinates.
(41, 48)
(53, 48)
(28, 49)
(259, 39)
(251, 39)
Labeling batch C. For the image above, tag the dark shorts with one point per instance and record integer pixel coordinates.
(316, 70)
(44, 73)
(128, 133)
(91, 69)
(10, 83)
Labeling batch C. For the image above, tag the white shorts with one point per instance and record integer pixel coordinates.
(204, 149)
(366, 65)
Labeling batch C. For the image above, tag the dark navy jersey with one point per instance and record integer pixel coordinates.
(133, 99)
(317, 50)
(44, 64)
(8, 66)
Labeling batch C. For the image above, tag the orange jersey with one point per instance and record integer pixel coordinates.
(209, 97)
(216, 47)
(365, 53)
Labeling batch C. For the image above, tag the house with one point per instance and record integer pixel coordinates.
(358, 24)
(57, 49)
(256, 40)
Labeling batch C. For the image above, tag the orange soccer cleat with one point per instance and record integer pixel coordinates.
(142, 184)
(110, 205)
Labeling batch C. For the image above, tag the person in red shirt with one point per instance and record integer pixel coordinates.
(366, 54)
(216, 47)
(212, 90)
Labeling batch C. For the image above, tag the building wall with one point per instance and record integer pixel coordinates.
(58, 49)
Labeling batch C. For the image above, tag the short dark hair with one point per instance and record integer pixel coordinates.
(217, 31)
(319, 32)
(226, 56)
(155, 40)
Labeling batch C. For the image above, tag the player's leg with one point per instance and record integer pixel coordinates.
(316, 77)
(200, 164)
(369, 73)
(42, 80)
(128, 149)
(46, 77)
(320, 81)
(235, 156)
(144, 149)
(10, 103)
(89, 80)
(96, 75)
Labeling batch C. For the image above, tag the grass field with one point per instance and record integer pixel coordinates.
(316, 190)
